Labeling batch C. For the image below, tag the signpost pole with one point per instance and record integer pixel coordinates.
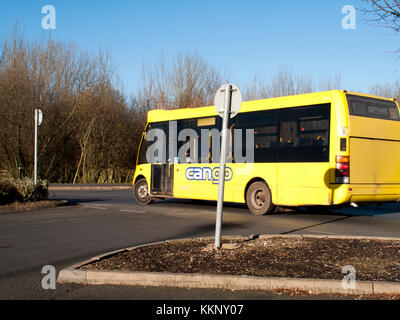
(36, 141)
(38, 122)
(221, 176)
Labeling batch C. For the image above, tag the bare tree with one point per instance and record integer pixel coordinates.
(285, 83)
(257, 89)
(388, 90)
(87, 121)
(384, 13)
(153, 91)
(189, 81)
(333, 82)
(192, 82)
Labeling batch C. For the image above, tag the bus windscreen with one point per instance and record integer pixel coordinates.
(372, 108)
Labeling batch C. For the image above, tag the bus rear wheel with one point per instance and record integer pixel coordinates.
(141, 192)
(258, 199)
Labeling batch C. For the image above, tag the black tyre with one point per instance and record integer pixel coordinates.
(141, 192)
(258, 199)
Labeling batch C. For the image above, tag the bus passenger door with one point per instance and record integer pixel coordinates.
(162, 177)
(162, 174)
(169, 179)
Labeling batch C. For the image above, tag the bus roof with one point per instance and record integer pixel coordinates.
(254, 105)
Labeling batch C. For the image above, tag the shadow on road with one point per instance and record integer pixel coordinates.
(79, 197)
(75, 202)
(315, 225)
(367, 210)
(370, 210)
(204, 230)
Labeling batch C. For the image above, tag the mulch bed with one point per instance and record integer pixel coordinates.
(273, 257)
(26, 206)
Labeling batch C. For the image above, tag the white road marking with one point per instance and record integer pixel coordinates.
(134, 211)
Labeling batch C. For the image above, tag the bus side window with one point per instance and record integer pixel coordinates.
(191, 155)
(304, 134)
(197, 125)
(265, 126)
(143, 147)
(163, 126)
(288, 132)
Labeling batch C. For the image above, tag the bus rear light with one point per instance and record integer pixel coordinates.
(342, 166)
(342, 172)
(342, 159)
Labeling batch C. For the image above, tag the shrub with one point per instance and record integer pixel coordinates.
(23, 190)
(29, 192)
(8, 192)
(42, 190)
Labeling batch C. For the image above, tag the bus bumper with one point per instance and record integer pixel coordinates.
(360, 193)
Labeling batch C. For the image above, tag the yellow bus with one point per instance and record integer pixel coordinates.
(319, 149)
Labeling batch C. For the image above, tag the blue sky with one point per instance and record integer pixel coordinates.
(242, 38)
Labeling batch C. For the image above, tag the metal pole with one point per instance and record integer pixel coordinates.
(221, 182)
(36, 141)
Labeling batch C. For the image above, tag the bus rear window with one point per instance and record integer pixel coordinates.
(372, 108)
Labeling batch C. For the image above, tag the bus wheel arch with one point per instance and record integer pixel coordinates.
(258, 197)
(140, 176)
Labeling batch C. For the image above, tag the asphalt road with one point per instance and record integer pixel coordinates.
(101, 221)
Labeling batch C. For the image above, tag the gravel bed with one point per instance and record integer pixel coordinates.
(273, 257)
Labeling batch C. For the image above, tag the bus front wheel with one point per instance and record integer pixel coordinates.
(141, 192)
(258, 199)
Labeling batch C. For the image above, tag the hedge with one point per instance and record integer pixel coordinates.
(25, 190)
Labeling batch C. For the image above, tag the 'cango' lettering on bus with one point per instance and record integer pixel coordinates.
(203, 174)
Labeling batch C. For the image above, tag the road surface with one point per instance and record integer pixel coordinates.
(100, 221)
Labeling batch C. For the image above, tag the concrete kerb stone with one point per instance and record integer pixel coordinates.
(89, 187)
(321, 285)
(72, 275)
(383, 287)
(344, 237)
(242, 282)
